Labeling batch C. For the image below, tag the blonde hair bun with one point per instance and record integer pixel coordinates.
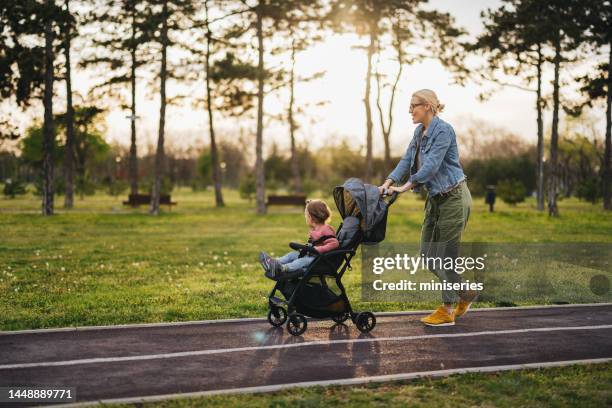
(428, 96)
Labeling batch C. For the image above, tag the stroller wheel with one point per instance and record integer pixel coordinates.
(340, 318)
(277, 316)
(365, 321)
(297, 324)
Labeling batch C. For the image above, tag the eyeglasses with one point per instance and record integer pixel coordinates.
(413, 105)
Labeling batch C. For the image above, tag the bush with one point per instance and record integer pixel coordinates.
(491, 171)
(13, 188)
(58, 186)
(84, 186)
(115, 187)
(166, 185)
(511, 191)
(589, 190)
(247, 187)
(309, 186)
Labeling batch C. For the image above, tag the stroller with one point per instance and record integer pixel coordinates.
(319, 292)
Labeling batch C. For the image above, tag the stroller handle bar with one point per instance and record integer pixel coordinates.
(393, 197)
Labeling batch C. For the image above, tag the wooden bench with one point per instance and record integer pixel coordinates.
(134, 200)
(296, 199)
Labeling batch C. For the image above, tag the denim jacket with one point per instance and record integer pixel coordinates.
(440, 169)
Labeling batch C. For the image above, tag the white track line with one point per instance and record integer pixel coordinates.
(342, 381)
(100, 360)
(261, 319)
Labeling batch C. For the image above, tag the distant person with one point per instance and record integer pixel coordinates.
(432, 160)
(490, 197)
(321, 235)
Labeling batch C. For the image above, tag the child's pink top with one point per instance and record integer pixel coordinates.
(330, 243)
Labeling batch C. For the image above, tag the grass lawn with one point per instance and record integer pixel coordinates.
(104, 264)
(583, 386)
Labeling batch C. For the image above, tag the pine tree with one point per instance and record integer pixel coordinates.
(513, 40)
(28, 69)
(599, 85)
(167, 18)
(119, 49)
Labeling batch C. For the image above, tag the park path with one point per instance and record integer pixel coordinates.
(127, 363)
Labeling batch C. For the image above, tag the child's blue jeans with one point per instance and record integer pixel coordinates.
(294, 263)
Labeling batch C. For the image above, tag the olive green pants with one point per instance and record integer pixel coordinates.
(445, 219)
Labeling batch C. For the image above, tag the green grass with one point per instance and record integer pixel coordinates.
(583, 386)
(104, 264)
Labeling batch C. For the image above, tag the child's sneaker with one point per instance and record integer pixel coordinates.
(277, 270)
(264, 260)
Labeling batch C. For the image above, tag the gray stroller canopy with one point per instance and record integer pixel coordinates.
(357, 199)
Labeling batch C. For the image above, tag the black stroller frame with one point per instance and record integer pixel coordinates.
(333, 264)
(297, 323)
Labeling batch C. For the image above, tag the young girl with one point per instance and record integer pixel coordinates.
(317, 215)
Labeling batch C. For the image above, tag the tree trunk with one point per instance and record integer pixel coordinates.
(69, 154)
(159, 156)
(366, 101)
(554, 138)
(607, 171)
(295, 165)
(133, 166)
(48, 128)
(540, 159)
(386, 130)
(259, 164)
(216, 169)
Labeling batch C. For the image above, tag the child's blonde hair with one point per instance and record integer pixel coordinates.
(319, 211)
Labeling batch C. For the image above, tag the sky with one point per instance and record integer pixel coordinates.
(343, 116)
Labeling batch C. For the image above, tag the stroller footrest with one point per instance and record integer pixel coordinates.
(277, 301)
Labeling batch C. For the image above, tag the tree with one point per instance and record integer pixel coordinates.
(259, 165)
(300, 30)
(363, 16)
(399, 36)
(69, 158)
(167, 17)
(581, 156)
(373, 19)
(216, 167)
(524, 29)
(260, 12)
(413, 36)
(119, 50)
(597, 26)
(564, 35)
(28, 67)
(48, 128)
(300, 26)
(228, 79)
(513, 40)
(88, 144)
(21, 62)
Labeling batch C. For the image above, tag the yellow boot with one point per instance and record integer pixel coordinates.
(462, 308)
(439, 318)
(464, 303)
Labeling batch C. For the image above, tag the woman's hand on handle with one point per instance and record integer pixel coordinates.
(384, 189)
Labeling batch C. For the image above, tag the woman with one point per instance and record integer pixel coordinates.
(432, 160)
